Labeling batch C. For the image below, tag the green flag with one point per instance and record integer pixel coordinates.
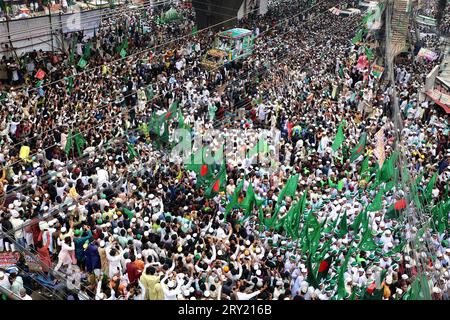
(247, 203)
(261, 146)
(341, 292)
(290, 188)
(388, 169)
(397, 249)
(72, 50)
(369, 53)
(366, 18)
(234, 199)
(364, 166)
(376, 204)
(343, 228)
(87, 51)
(340, 185)
(123, 53)
(358, 220)
(341, 71)
(430, 186)
(79, 142)
(82, 63)
(132, 151)
(358, 150)
(311, 278)
(163, 130)
(358, 37)
(70, 85)
(180, 120)
(69, 143)
(339, 137)
(367, 243)
(194, 30)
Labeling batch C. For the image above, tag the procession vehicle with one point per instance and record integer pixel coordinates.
(229, 45)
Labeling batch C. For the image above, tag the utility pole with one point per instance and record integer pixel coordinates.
(61, 32)
(50, 21)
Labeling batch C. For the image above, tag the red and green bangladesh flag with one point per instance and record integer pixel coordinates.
(324, 267)
(358, 150)
(394, 210)
(219, 182)
(172, 112)
(203, 170)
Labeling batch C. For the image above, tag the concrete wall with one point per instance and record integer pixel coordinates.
(36, 33)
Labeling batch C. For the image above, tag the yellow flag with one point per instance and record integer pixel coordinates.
(179, 175)
(25, 153)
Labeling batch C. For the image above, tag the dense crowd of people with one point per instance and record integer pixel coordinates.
(124, 219)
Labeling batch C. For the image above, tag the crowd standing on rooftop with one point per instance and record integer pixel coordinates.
(122, 225)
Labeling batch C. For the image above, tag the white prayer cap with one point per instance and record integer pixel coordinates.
(436, 290)
(102, 243)
(63, 229)
(389, 279)
(207, 293)
(405, 277)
